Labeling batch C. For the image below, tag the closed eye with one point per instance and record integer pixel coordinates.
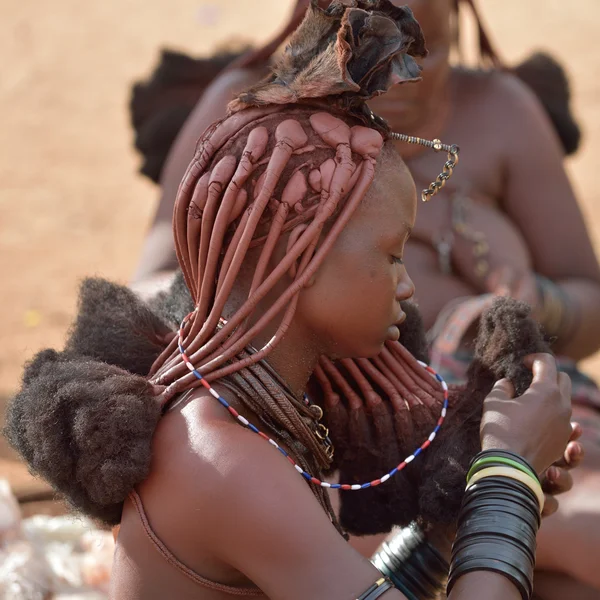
(397, 260)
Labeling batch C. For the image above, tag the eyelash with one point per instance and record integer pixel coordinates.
(398, 261)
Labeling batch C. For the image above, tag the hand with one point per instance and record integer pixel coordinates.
(518, 284)
(535, 425)
(557, 479)
(507, 246)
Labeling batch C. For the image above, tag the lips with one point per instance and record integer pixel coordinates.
(400, 319)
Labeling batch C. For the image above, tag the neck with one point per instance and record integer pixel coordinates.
(294, 359)
(428, 122)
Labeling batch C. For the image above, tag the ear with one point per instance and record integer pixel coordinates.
(311, 281)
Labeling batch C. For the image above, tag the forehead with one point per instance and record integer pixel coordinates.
(392, 200)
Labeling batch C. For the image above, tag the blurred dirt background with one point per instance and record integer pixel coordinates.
(71, 202)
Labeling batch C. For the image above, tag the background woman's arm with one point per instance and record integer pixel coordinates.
(540, 200)
(158, 253)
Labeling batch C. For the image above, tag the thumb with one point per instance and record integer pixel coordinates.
(503, 390)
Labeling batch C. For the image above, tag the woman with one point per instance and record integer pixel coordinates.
(293, 207)
(487, 234)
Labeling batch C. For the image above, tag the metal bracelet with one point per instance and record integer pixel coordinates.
(380, 587)
(413, 564)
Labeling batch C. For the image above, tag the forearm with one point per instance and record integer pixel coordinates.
(470, 586)
(483, 584)
(583, 297)
(411, 554)
(158, 252)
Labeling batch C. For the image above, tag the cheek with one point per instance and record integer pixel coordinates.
(354, 288)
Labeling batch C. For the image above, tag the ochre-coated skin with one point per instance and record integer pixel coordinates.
(511, 166)
(226, 504)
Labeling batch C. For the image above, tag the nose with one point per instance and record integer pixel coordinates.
(405, 288)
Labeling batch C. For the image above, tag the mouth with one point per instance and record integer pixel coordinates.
(400, 319)
(394, 330)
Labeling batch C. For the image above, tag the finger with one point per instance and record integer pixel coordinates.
(504, 281)
(573, 456)
(565, 386)
(577, 431)
(550, 506)
(557, 481)
(543, 367)
(497, 282)
(503, 390)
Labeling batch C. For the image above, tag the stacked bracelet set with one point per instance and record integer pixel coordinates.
(415, 567)
(555, 311)
(499, 520)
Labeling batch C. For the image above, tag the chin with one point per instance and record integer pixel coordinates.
(362, 351)
(373, 352)
(369, 351)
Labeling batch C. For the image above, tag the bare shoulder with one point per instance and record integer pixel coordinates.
(213, 103)
(504, 112)
(497, 92)
(211, 461)
(197, 436)
(211, 107)
(226, 501)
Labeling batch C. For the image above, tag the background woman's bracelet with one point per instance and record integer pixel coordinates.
(556, 312)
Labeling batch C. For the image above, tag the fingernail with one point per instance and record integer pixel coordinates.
(553, 474)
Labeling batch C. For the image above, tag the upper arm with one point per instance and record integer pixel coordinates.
(267, 524)
(537, 194)
(211, 107)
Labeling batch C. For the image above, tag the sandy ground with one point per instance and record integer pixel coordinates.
(71, 203)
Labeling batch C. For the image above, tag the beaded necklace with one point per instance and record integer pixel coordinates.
(342, 486)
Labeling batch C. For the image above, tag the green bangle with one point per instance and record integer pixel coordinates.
(499, 459)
